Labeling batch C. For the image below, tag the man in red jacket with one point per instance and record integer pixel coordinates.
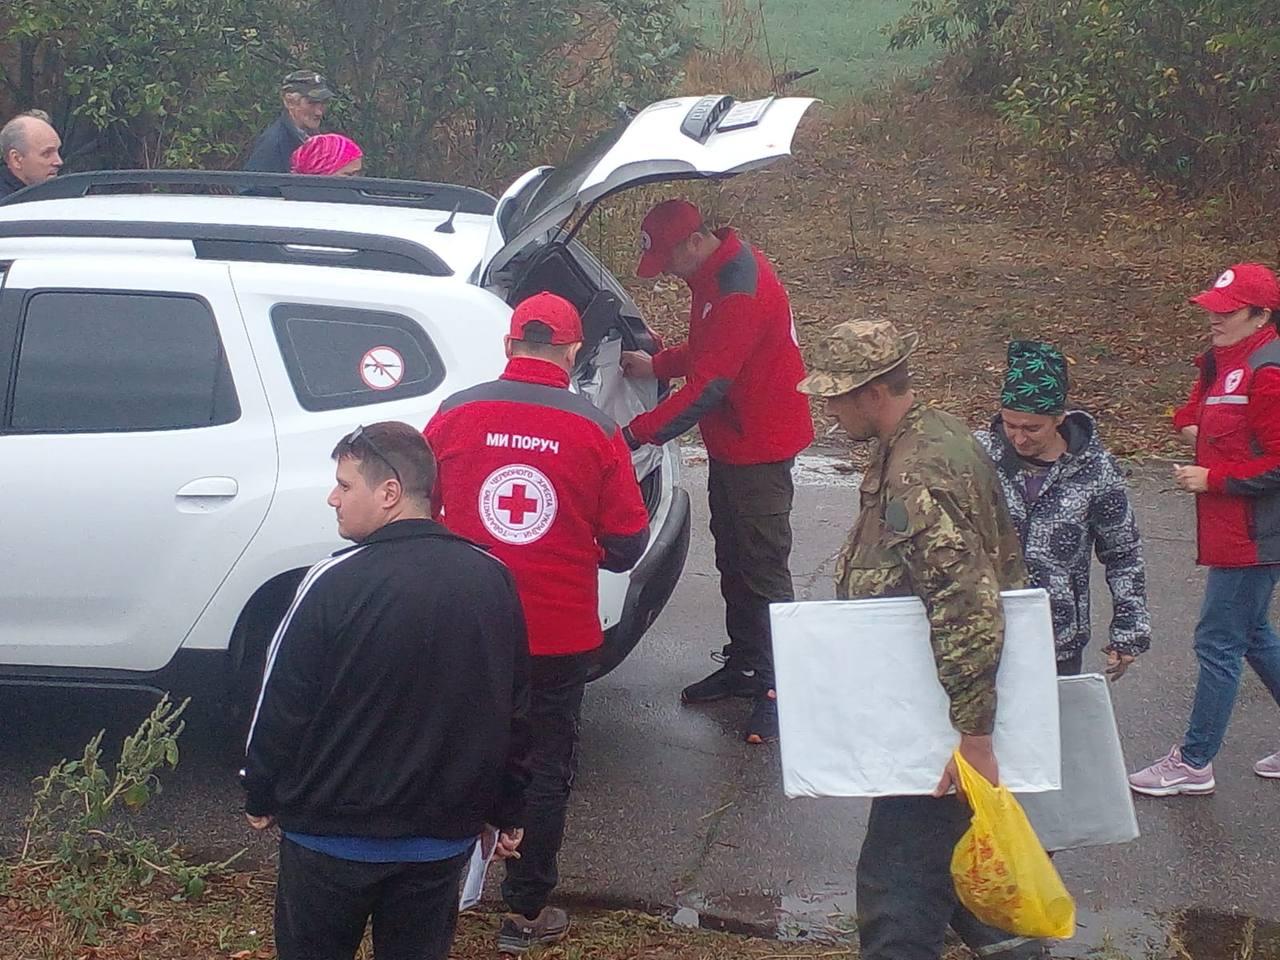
(544, 480)
(740, 364)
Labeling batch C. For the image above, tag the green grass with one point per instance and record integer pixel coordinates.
(842, 38)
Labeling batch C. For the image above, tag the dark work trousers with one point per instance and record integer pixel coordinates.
(906, 899)
(555, 703)
(323, 905)
(751, 526)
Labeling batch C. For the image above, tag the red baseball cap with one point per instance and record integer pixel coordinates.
(557, 313)
(1243, 285)
(665, 227)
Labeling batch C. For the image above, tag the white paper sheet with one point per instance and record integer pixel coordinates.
(1095, 805)
(862, 714)
(473, 882)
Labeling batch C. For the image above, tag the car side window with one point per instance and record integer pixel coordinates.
(111, 362)
(343, 357)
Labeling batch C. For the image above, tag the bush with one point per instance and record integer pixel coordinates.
(80, 856)
(1186, 88)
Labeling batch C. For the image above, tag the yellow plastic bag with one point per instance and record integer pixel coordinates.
(1001, 871)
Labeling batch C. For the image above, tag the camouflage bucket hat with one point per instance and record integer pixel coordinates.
(1036, 378)
(854, 353)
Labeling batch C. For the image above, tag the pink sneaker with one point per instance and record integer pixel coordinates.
(1268, 767)
(1169, 776)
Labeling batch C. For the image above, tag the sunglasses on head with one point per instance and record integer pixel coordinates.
(359, 436)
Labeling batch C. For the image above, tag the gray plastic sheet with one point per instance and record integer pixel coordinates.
(1094, 806)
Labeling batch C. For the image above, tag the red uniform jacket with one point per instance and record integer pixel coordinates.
(542, 478)
(1236, 405)
(741, 365)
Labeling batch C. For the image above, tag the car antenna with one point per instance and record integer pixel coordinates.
(447, 226)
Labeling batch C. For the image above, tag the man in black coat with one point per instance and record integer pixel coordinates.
(392, 723)
(30, 152)
(305, 95)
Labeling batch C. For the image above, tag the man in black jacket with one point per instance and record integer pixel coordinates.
(305, 96)
(30, 152)
(391, 726)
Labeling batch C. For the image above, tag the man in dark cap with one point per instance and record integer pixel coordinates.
(305, 95)
(1068, 499)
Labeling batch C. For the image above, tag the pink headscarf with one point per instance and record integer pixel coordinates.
(325, 153)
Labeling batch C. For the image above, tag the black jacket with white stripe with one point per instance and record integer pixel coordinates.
(395, 697)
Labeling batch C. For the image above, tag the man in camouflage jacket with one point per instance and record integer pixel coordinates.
(933, 525)
(1068, 500)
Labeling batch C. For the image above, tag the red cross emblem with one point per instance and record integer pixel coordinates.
(517, 503)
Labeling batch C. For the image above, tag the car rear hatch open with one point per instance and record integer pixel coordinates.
(685, 138)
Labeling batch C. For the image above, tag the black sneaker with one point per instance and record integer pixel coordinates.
(726, 682)
(518, 934)
(763, 725)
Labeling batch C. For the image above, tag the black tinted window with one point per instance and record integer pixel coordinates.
(96, 362)
(346, 358)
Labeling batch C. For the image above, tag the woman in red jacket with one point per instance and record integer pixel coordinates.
(1233, 420)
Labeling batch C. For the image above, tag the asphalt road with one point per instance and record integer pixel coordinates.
(672, 809)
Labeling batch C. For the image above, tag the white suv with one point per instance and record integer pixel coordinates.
(176, 369)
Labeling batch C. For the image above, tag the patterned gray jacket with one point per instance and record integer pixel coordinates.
(1082, 507)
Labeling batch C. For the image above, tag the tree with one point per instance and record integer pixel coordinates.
(477, 84)
(1186, 88)
(424, 85)
(142, 82)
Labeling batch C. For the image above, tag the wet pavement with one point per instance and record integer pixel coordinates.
(671, 809)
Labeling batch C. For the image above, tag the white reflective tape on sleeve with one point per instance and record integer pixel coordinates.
(1209, 401)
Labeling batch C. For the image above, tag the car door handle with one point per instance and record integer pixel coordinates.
(220, 487)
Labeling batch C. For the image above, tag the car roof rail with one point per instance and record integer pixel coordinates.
(216, 241)
(374, 191)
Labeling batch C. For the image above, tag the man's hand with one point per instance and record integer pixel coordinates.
(1189, 434)
(508, 841)
(1117, 664)
(978, 751)
(637, 365)
(260, 823)
(1192, 479)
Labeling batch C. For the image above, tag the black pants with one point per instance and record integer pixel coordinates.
(906, 899)
(1072, 666)
(555, 704)
(323, 905)
(751, 526)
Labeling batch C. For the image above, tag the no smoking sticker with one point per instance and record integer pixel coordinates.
(382, 368)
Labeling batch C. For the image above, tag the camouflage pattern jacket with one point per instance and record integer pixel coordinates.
(933, 524)
(1082, 508)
